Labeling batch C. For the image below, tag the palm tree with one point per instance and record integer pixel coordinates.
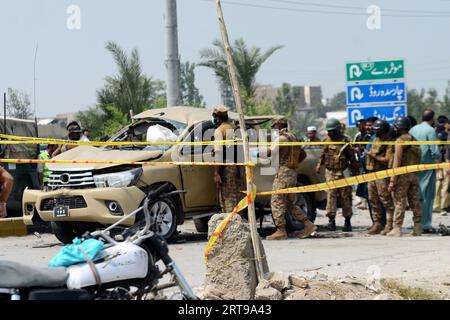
(247, 62)
(130, 89)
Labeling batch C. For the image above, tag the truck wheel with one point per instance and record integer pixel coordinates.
(63, 231)
(165, 214)
(201, 224)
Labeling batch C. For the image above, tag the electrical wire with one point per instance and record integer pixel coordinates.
(291, 9)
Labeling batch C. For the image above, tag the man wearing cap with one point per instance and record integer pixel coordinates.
(311, 133)
(74, 129)
(289, 158)
(311, 136)
(227, 178)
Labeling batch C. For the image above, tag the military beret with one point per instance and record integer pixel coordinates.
(220, 110)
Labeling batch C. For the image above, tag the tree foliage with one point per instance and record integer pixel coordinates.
(130, 89)
(248, 62)
(190, 95)
(18, 104)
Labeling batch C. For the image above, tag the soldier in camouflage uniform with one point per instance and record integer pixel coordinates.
(378, 158)
(335, 159)
(282, 204)
(227, 178)
(405, 187)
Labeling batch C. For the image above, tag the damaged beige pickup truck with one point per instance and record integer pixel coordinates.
(82, 197)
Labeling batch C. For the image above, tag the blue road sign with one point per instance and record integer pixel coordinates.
(376, 93)
(388, 113)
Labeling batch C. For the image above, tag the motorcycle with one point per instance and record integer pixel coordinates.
(125, 269)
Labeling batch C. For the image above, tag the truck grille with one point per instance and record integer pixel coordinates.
(71, 179)
(75, 202)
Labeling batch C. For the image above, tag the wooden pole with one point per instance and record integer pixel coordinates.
(248, 169)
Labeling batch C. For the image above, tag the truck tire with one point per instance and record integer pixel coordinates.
(165, 212)
(201, 224)
(64, 231)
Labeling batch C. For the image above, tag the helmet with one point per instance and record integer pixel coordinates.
(333, 124)
(381, 126)
(402, 123)
(74, 127)
(280, 121)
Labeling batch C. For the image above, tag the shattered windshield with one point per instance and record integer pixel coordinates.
(150, 131)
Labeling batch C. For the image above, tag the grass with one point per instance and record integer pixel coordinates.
(409, 293)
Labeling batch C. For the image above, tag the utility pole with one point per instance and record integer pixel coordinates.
(173, 61)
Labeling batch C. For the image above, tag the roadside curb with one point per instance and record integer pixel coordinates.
(13, 227)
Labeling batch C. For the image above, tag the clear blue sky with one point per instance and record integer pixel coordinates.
(72, 65)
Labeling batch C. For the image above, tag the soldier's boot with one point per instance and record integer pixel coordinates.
(417, 231)
(308, 230)
(396, 232)
(280, 234)
(347, 225)
(389, 225)
(331, 224)
(376, 228)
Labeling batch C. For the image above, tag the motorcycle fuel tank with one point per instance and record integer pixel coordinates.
(120, 262)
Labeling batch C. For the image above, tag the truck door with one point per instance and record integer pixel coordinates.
(201, 191)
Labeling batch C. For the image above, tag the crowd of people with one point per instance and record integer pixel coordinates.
(387, 199)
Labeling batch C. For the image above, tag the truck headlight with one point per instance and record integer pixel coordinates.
(118, 179)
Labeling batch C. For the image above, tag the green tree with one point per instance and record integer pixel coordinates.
(248, 62)
(286, 101)
(18, 104)
(92, 119)
(190, 95)
(445, 103)
(130, 89)
(337, 102)
(102, 120)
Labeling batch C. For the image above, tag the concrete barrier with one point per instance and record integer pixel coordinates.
(13, 227)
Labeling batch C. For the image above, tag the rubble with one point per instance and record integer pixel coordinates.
(265, 291)
(279, 281)
(299, 282)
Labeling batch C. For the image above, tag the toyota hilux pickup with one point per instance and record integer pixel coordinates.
(82, 197)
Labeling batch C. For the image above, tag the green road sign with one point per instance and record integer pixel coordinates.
(375, 70)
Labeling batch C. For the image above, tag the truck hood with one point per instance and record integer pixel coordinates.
(96, 154)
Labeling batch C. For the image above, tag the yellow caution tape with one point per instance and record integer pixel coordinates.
(335, 184)
(33, 140)
(151, 163)
(244, 203)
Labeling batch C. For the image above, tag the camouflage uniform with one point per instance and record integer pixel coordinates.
(229, 190)
(286, 177)
(337, 158)
(378, 189)
(406, 191)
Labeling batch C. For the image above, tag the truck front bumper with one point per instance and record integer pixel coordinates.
(85, 205)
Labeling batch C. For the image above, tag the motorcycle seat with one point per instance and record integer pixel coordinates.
(16, 275)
